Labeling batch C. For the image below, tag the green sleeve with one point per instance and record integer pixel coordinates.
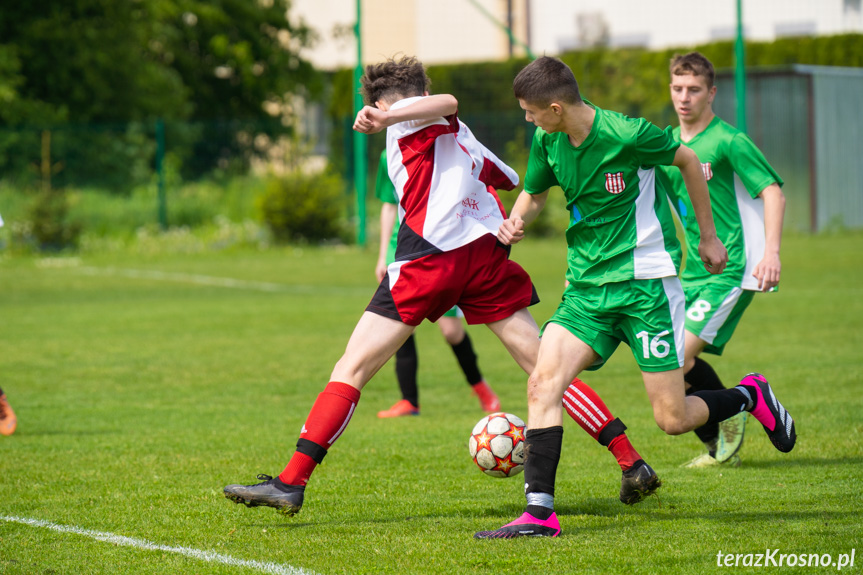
(751, 166)
(539, 176)
(385, 191)
(655, 147)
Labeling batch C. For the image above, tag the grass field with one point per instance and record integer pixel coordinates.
(144, 384)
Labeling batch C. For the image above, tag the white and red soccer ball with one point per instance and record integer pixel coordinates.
(497, 444)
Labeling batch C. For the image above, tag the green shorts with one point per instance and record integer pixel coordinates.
(645, 314)
(454, 312)
(713, 311)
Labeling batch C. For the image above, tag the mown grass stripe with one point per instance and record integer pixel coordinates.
(209, 556)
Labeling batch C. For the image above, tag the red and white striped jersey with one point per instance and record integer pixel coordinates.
(445, 180)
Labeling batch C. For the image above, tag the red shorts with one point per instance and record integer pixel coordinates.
(479, 278)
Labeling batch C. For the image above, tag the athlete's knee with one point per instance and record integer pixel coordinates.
(539, 390)
(351, 372)
(452, 329)
(670, 423)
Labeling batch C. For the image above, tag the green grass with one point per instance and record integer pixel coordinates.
(139, 398)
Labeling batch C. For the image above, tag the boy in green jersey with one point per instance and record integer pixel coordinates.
(450, 324)
(623, 259)
(748, 208)
(581, 402)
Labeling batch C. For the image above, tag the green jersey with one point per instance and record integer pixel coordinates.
(385, 191)
(621, 227)
(736, 173)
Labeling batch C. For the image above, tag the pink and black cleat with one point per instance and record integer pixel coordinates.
(525, 526)
(771, 414)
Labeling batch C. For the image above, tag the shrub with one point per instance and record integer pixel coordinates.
(304, 207)
(52, 228)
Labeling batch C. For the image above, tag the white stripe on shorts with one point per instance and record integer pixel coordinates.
(711, 328)
(677, 310)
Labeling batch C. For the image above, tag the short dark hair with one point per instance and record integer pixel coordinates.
(394, 79)
(546, 80)
(693, 63)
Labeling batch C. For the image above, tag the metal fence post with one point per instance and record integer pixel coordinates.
(360, 140)
(740, 70)
(160, 173)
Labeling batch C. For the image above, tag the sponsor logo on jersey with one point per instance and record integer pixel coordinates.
(708, 172)
(614, 183)
(470, 203)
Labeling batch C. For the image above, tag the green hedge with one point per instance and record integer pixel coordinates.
(629, 80)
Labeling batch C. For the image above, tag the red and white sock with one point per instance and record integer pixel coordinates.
(585, 406)
(327, 420)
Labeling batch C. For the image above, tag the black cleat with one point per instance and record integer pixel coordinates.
(638, 482)
(287, 499)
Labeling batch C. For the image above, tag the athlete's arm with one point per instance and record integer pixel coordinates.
(526, 208)
(371, 120)
(711, 250)
(388, 220)
(768, 269)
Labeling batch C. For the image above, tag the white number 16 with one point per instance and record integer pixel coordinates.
(657, 347)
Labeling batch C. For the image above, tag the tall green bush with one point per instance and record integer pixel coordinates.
(305, 207)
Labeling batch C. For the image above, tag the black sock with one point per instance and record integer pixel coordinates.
(407, 363)
(467, 360)
(723, 403)
(700, 378)
(539, 511)
(541, 456)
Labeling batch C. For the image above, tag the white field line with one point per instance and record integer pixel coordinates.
(186, 278)
(233, 283)
(209, 556)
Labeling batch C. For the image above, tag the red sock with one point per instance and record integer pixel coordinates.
(623, 451)
(327, 420)
(590, 412)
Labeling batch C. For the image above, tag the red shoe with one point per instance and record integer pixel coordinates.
(401, 408)
(488, 399)
(7, 417)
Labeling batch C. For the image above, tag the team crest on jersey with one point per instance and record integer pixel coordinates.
(708, 171)
(614, 183)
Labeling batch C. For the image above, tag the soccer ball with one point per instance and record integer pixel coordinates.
(497, 445)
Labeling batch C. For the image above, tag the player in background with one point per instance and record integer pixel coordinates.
(450, 324)
(748, 208)
(447, 255)
(623, 259)
(8, 421)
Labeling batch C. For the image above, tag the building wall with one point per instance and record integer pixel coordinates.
(671, 23)
(437, 32)
(450, 31)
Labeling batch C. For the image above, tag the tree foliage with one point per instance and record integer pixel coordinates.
(104, 63)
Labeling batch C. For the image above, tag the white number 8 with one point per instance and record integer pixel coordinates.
(698, 310)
